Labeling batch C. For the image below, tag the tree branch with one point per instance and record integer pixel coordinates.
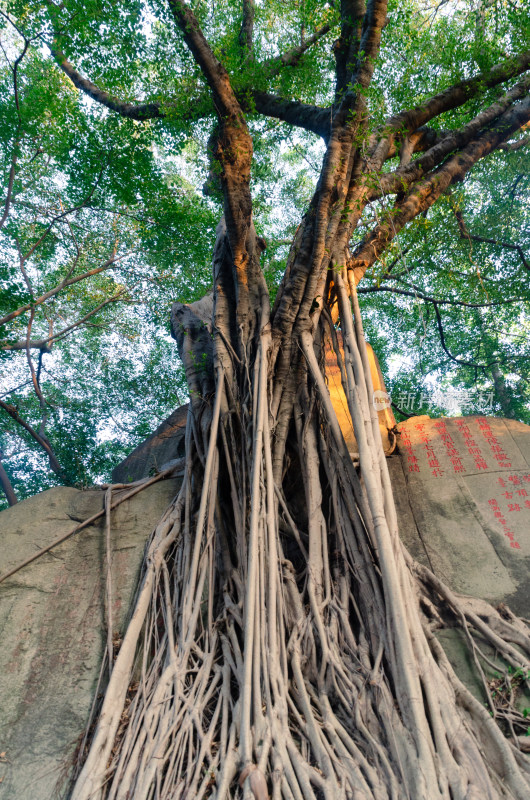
(212, 69)
(418, 295)
(311, 118)
(15, 75)
(46, 344)
(353, 99)
(10, 183)
(247, 26)
(423, 194)
(403, 177)
(34, 378)
(464, 234)
(56, 218)
(137, 111)
(292, 57)
(444, 345)
(40, 439)
(347, 46)
(512, 146)
(451, 98)
(60, 286)
(5, 483)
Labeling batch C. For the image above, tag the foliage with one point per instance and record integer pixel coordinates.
(89, 184)
(88, 188)
(435, 259)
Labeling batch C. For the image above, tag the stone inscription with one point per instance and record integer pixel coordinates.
(480, 454)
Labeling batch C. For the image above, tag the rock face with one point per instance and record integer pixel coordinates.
(462, 490)
(380, 399)
(52, 623)
(163, 446)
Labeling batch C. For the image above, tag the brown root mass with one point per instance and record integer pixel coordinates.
(283, 642)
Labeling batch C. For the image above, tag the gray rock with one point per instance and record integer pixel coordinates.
(462, 492)
(462, 489)
(163, 446)
(52, 626)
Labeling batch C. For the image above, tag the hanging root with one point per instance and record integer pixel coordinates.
(283, 646)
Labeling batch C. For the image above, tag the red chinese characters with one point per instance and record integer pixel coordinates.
(472, 448)
(496, 449)
(450, 449)
(432, 458)
(499, 516)
(411, 458)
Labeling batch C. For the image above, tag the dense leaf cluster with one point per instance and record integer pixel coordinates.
(447, 306)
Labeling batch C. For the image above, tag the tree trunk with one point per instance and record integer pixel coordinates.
(7, 488)
(286, 637)
(491, 353)
(501, 391)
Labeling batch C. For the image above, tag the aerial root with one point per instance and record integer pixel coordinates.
(315, 731)
(295, 657)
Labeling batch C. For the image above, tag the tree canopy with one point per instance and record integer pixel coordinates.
(109, 217)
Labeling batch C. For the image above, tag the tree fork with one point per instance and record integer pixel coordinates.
(297, 654)
(316, 644)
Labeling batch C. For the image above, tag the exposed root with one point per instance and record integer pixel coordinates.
(287, 649)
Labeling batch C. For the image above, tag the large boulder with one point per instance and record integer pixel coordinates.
(462, 490)
(160, 448)
(52, 619)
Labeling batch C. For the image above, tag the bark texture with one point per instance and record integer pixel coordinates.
(283, 636)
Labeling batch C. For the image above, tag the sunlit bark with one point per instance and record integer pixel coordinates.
(283, 636)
